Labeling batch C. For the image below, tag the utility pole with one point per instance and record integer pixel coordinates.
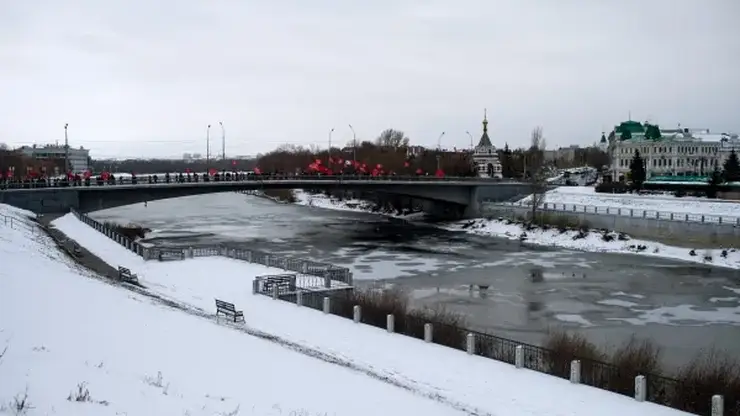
(330, 132)
(208, 146)
(354, 143)
(223, 140)
(66, 150)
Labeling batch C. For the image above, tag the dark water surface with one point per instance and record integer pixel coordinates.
(607, 297)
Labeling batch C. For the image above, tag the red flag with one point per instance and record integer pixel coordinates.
(406, 164)
(419, 171)
(440, 173)
(212, 171)
(257, 171)
(188, 171)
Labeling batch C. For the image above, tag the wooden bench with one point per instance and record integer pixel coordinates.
(228, 310)
(284, 282)
(125, 275)
(169, 255)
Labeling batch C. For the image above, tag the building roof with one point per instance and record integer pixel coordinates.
(485, 141)
(631, 126)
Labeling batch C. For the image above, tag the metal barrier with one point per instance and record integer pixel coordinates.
(176, 179)
(302, 266)
(629, 212)
(625, 380)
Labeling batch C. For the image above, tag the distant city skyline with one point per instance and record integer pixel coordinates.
(133, 84)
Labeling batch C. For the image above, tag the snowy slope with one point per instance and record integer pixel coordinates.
(67, 334)
(474, 384)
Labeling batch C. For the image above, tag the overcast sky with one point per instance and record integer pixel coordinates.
(140, 78)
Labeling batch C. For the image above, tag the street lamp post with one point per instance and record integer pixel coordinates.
(471, 139)
(223, 140)
(208, 146)
(439, 142)
(354, 143)
(330, 132)
(66, 150)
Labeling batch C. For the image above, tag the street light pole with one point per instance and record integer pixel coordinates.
(223, 140)
(354, 143)
(439, 141)
(208, 146)
(66, 150)
(330, 132)
(471, 139)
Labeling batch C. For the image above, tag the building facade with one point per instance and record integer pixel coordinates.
(680, 152)
(79, 159)
(485, 157)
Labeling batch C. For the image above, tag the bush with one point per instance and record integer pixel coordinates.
(633, 358)
(710, 373)
(376, 305)
(613, 188)
(285, 195)
(564, 347)
(130, 231)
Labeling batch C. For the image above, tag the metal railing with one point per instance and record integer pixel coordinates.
(323, 271)
(264, 178)
(17, 223)
(657, 389)
(626, 212)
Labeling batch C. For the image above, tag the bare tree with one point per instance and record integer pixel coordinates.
(3, 146)
(392, 138)
(536, 167)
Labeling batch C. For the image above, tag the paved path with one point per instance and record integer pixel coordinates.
(86, 259)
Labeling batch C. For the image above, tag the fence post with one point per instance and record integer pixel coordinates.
(249, 256)
(632, 212)
(224, 252)
(350, 278)
(575, 371)
(519, 356)
(640, 388)
(255, 285)
(427, 332)
(327, 281)
(299, 298)
(470, 347)
(191, 254)
(718, 405)
(327, 304)
(390, 323)
(267, 259)
(304, 267)
(275, 291)
(357, 314)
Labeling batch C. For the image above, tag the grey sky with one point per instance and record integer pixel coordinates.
(143, 78)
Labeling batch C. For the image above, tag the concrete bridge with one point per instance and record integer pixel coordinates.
(459, 196)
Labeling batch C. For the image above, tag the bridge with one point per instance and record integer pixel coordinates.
(458, 195)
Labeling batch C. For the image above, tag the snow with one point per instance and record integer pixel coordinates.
(565, 197)
(63, 329)
(593, 242)
(119, 342)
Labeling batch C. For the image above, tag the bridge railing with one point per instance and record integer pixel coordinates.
(327, 272)
(158, 179)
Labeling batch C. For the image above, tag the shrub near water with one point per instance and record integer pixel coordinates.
(376, 305)
(130, 231)
(708, 374)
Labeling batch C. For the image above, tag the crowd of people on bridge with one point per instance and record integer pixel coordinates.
(334, 168)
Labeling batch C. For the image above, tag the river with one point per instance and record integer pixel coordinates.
(607, 297)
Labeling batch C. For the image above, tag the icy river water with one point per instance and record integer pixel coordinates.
(607, 297)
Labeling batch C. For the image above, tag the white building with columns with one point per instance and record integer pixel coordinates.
(679, 152)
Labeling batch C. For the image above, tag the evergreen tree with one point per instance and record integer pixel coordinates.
(715, 180)
(652, 132)
(731, 168)
(637, 170)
